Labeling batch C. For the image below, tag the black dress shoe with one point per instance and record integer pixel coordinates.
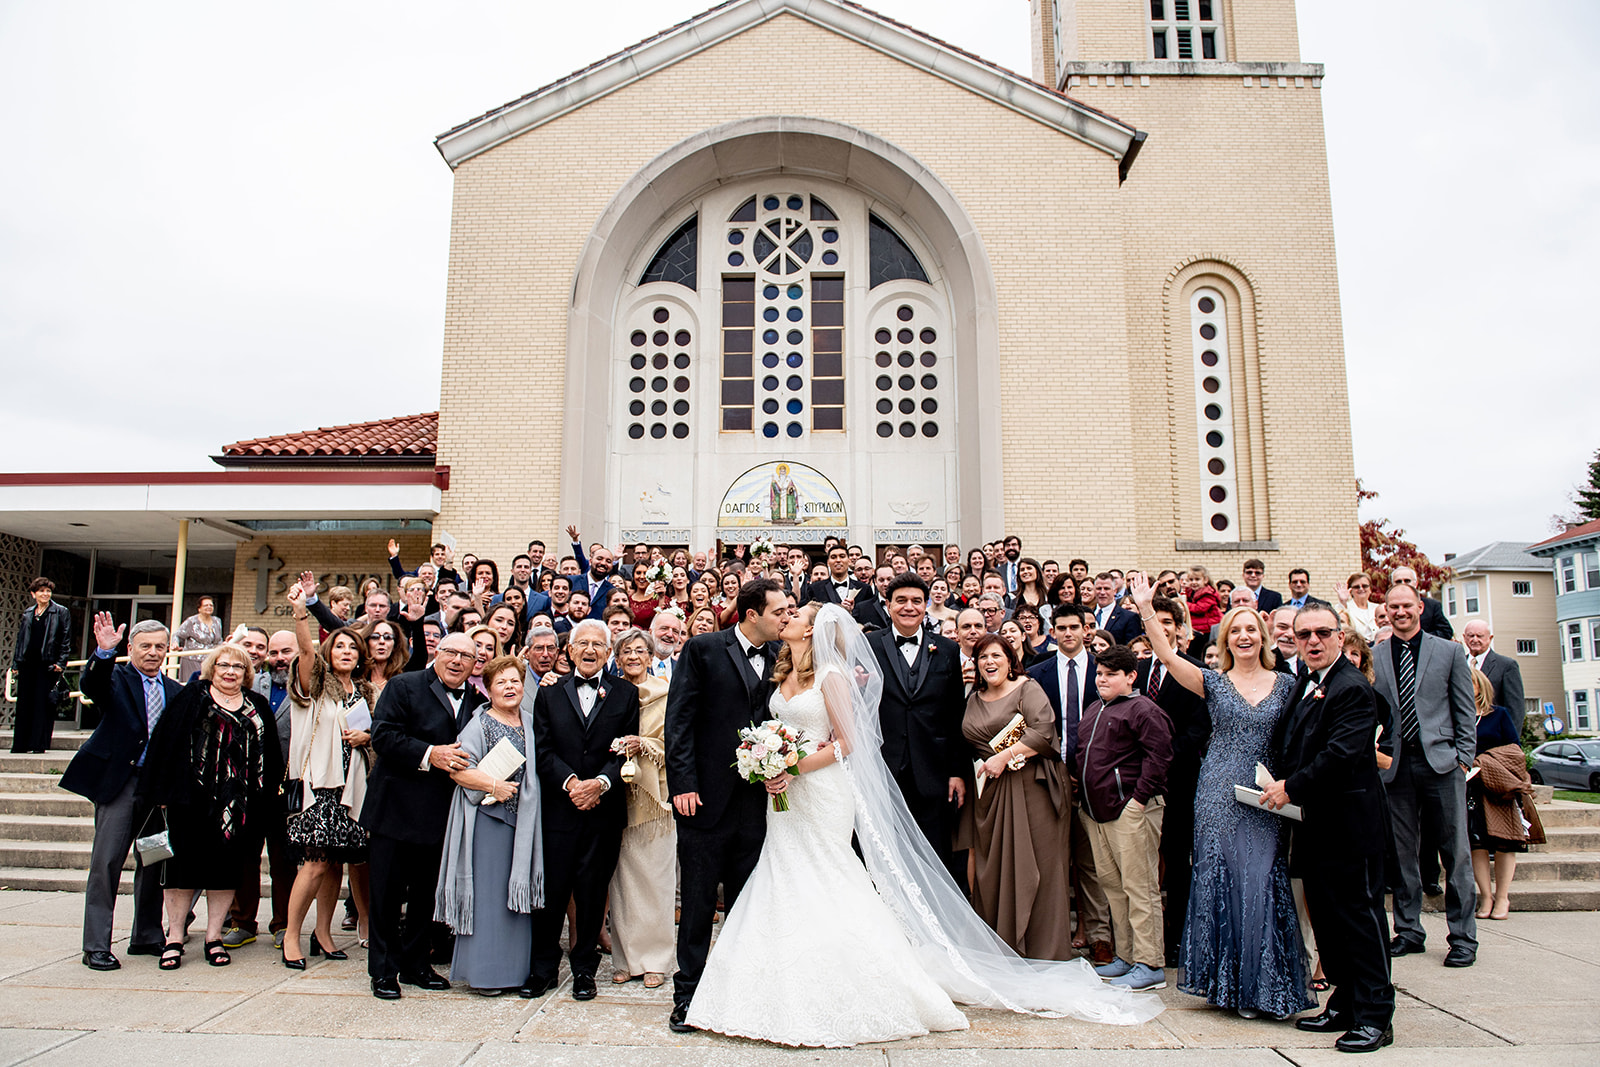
(1460, 957)
(1401, 947)
(1326, 1023)
(583, 987)
(677, 1022)
(101, 961)
(386, 988)
(152, 949)
(1365, 1039)
(428, 979)
(1433, 889)
(535, 987)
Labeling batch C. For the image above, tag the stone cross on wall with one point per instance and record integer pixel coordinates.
(263, 564)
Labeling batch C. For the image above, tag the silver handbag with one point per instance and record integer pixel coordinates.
(156, 847)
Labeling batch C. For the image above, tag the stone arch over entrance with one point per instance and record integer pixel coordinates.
(803, 147)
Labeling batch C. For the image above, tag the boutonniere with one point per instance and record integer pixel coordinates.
(602, 692)
(1315, 694)
(932, 647)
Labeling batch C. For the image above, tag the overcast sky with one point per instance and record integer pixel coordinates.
(221, 221)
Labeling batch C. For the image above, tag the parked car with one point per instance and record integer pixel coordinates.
(1569, 764)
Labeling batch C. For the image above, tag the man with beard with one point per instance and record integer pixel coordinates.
(1010, 554)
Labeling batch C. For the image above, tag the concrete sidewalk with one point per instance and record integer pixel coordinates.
(1533, 1000)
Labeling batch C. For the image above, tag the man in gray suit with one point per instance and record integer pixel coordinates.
(1427, 682)
(1502, 671)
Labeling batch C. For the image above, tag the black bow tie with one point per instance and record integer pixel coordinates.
(592, 683)
(456, 694)
(914, 639)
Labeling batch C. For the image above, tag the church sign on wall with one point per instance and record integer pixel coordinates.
(779, 496)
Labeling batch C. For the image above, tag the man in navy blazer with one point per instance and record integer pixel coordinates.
(1119, 622)
(1267, 600)
(131, 697)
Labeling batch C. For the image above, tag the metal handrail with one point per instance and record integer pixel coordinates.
(170, 667)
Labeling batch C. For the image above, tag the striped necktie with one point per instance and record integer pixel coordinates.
(155, 701)
(1407, 685)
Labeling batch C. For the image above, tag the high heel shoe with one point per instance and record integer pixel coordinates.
(295, 965)
(330, 953)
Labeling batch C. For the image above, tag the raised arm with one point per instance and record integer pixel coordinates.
(394, 559)
(1188, 675)
(302, 633)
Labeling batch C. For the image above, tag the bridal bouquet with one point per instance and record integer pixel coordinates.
(768, 750)
(762, 550)
(659, 572)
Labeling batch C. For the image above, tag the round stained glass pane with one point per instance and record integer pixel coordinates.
(680, 384)
(659, 361)
(928, 336)
(795, 292)
(907, 406)
(1208, 331)
(1214, 439)
(883, 336)
(929, 406)
(636, 384)
(658, 385)
(1213, 412)
(795, 429)
(658, 408)
(680, 431)
(681, 361)
(1218, 494)
(659, 338)
(769, 429)
(794, 406)
(906, 359)
(662, 314)
(637, 362)
(830, 235)
(680, 407)
(794, 382)
(904, 312)
(770, 292)
(635, 431)
(905, 336)
(636, 408)
(1210, 385)
(769, 337)
(770, 314)
(770, 203)
(796, 203)
(658, 431)
(1216, 466)
(735, 259)
(885, 430)
(930, 381)
(736, 237)
(1207, 305)
(929, 359)
(770, 406)
(795, 314)
(930, 429)
(681, 338)
(885, 383)
(1209, 358)
(885, 405)
(908, 429)
(770, 383)
(638, 338)
(1219, 522)
(769, 360)
(795, 359)
(907, 382)
(830, 257)
(796, 337)
(884, 359)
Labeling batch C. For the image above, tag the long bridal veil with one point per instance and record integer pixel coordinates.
(957, 948)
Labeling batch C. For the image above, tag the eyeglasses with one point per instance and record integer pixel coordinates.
(454, 653)
(230, 667)
(587, 644)
(1322, 633)
(380, 637)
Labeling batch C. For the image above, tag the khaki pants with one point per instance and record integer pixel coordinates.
(1127, 859)
(1090, 899)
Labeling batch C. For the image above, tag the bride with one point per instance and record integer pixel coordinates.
(821, 951)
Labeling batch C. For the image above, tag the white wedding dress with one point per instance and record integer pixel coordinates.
(810, 954)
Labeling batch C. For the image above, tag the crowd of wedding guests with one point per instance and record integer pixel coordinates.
(481, 760)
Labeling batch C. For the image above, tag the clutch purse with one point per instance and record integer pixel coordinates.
(156, 847)
(1008, 736)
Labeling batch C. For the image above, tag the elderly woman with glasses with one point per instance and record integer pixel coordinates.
(213, 765)
(1358, 611)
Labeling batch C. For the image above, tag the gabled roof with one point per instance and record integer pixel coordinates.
(1587, 532)
(939, 58)
(1499, 556)
(406, 440)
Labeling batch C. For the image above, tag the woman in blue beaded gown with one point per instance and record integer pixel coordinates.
(1242, 947)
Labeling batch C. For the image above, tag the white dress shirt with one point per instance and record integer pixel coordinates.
(1082, 660)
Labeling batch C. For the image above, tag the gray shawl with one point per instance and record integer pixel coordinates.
(453, 899)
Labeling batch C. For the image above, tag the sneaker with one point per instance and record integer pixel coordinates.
(277, 939)
(1115, 969)
(1142, 977)
(235, 936)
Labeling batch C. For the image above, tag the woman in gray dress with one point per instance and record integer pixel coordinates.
(492, 876)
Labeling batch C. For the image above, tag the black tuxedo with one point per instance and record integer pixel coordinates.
(406, 809)
(1191, 732)
(920, 712)
(714, 693)
(580, 847)
(1323, 748)
(1433, 620)
(1122, 624)
(870, 613)
(824, 592)
(1506, 677)
(1281, 664)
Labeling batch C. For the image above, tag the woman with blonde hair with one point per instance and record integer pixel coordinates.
(644, 885)
(1358, 611)
(1241, 947)
(487, 642)
(1499, 803)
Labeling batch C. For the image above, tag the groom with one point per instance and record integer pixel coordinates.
(721, 683)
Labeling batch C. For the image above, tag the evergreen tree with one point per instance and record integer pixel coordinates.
(1587, 496)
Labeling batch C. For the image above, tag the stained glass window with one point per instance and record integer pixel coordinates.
(677, 259)
(890, 258)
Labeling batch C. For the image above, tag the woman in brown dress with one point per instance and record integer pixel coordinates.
(1018, 826)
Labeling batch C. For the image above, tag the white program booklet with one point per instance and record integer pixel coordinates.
(358, 717)
(500, 763)
(1245, 795)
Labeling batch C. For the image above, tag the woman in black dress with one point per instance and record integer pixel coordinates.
(213, 765)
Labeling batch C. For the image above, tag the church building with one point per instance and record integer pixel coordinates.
(792, 268)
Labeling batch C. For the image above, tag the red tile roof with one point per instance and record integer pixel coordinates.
(1574, 533)
(403, 438)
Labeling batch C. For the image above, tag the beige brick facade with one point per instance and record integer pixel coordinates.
(1090, 285)
(335, 558)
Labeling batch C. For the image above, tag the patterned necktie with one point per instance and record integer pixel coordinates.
(1155, 681)
(1407, 684)
(1071, 714)
(155, 700)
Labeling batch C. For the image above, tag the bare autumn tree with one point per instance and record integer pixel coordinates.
(1384, 547)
